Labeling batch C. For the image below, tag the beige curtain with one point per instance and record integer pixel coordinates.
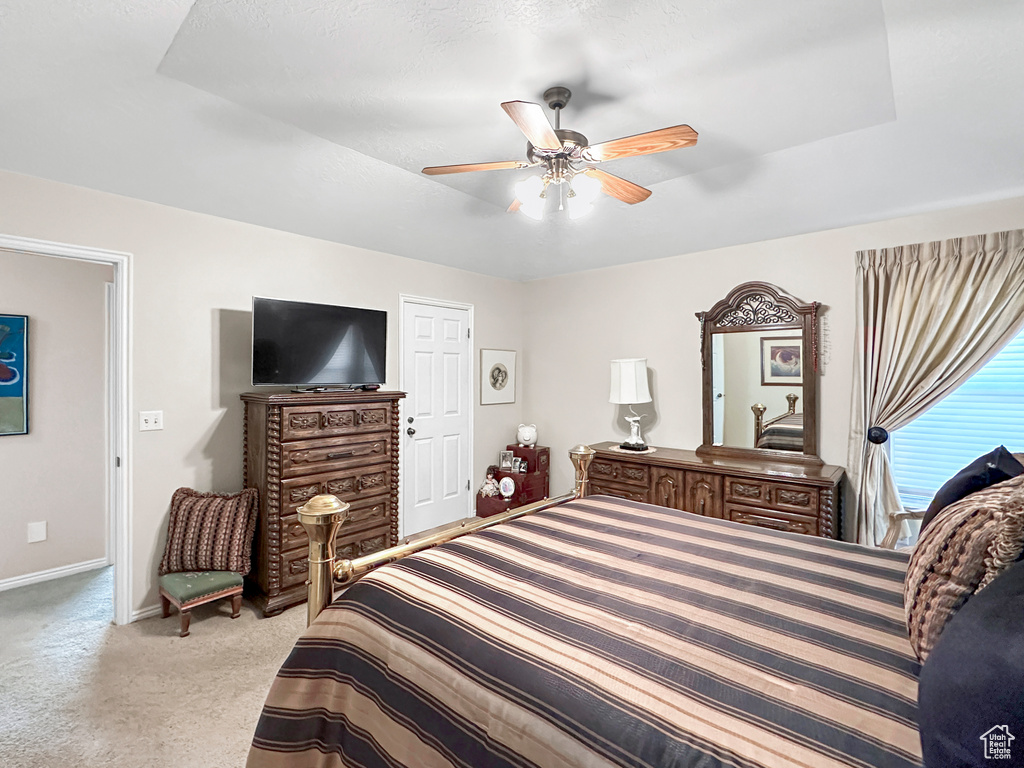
(928, 316)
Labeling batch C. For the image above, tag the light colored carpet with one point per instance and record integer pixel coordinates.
(75, 690)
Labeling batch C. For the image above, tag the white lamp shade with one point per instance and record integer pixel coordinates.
(587, 188)
(529, 187)
(629, 382)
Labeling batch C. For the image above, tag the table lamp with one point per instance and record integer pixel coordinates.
(629, 387)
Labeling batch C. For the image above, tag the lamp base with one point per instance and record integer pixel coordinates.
(633, 446)
(635, 441)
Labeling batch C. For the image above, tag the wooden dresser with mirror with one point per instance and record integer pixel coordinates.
(758, 463)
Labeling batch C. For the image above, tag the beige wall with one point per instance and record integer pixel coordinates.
(194, 276)
(57, 472)
(193, 281)
(647, 310)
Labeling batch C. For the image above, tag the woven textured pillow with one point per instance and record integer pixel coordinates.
(210, 532)
(954, 556)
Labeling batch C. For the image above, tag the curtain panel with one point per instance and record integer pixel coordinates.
(927, 317)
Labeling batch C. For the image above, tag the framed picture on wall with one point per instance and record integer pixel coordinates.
(497, 376)
(782, 361)
(13, 374)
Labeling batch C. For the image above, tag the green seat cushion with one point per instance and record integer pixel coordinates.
(192, 585)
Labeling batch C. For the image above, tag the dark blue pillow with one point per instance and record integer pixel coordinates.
(971, 693)
(992, 468)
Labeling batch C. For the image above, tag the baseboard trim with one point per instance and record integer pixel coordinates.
(147, 613)
(53, 573)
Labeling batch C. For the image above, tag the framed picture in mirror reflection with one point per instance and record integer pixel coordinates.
(782, 361)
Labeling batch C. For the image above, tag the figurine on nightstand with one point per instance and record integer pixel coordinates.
(490, 486)
(527, 435)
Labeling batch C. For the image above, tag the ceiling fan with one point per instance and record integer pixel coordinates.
(568, 159)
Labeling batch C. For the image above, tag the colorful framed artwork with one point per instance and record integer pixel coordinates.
(782, 362)
(13, 374)
(497, 376)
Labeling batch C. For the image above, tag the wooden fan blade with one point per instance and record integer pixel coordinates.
(648, 143)
(515, 206)
(437, 170)
(626, 191)
(533, 122)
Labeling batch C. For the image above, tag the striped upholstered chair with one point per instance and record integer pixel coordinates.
(209, 538)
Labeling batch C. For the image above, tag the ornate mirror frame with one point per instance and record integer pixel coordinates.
(758, 306)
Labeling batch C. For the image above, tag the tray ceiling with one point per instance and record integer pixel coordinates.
(316, 117)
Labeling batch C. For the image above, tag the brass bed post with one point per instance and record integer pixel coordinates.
(758, 410)
(322, 515)
(581, 456)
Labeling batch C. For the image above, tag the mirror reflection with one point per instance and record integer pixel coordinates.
(757, 383)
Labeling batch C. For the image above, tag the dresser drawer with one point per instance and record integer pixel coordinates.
(300, 422)
(347, 484)
(743, 490)
(788, 497)
(365, 513)
(772, 518)
(620, 472)
(309, 457)
(794, 498)
(295, 564)
(619, 491)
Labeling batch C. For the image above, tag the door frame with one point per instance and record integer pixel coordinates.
(404, 300)
(119, 443)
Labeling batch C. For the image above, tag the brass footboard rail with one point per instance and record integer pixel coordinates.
(322, 515)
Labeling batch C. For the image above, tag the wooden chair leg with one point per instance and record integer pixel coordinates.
(236, 606)
(186, 617)
(165, 606)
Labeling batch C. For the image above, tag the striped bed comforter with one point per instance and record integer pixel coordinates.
(603, 633)
(784, 433)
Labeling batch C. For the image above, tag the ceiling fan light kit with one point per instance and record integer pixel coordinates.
(568, 159)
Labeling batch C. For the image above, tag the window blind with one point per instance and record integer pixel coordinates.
(984, 412)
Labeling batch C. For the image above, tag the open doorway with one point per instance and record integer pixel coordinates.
(49, 492)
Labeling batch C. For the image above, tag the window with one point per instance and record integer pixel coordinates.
(985, 412)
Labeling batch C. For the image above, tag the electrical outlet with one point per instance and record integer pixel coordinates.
(151, 420)
(36, 532)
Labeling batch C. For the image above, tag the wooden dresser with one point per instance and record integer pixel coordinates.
(298, 445)
(802, 499)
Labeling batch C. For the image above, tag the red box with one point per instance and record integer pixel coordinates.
(537, 458)
(534, 485)
(492, 505)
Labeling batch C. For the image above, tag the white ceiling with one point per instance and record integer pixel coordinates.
(315, 117)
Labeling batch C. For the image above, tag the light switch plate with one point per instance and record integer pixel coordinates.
(151, 420)
(36, 532)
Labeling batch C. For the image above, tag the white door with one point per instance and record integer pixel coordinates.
(717, 388)
(436, 426)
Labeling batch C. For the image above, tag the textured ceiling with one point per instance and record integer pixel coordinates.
(413, 84)
(315, 117)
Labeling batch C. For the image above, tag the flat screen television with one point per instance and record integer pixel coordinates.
(298, 344)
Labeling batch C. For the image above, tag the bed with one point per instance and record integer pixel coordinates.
(781, 433)
(606, 632)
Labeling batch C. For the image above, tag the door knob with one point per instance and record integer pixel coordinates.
(410, 431)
